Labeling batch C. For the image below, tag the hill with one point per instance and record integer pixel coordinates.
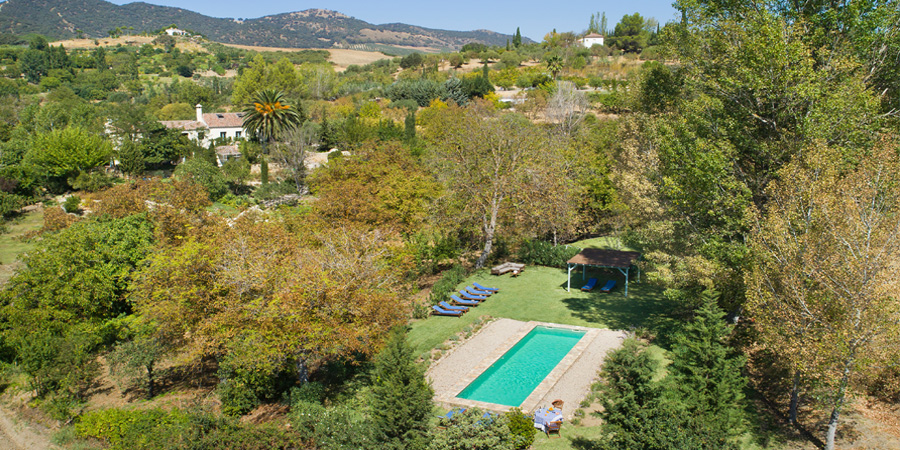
(313, 28)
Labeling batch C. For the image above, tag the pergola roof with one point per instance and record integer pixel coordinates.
(605, 258)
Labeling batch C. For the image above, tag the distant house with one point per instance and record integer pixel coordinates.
(176, 32)
(210, 126)
(591, 39)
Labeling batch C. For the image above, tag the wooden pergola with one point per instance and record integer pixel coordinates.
(607, 259)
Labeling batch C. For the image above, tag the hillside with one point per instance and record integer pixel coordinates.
(313, 28)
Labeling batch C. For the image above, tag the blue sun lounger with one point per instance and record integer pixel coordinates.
(460, 301)
(469, 296)
(450, 307)
(590, 285)
(438, 311)
(608, 286)
(484, 288)
(475, 291)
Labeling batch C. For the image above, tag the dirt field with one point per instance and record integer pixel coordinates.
(125, 40)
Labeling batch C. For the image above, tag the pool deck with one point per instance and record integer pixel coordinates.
(569, 381)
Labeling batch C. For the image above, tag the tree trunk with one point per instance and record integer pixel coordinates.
(838, 403)
(489, 229)
(151, 384)
(795, 398)
(302, 370)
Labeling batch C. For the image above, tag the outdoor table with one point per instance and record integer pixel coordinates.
(544, 416)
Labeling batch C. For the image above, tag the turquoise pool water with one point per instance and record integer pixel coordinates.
(510, 380)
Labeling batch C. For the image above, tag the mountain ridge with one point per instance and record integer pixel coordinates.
(310, 28)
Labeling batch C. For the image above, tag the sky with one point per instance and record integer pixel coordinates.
(535, 18)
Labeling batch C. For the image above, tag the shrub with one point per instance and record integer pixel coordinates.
(205, 174)
(311, 392)
(71, 204)
(448, 282)
(521, 428)
(545, 254)
(91, 181)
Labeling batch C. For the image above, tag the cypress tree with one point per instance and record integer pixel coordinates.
(706, 370)
(263, 169)
(517, 39)
(409, 132)
(400, 396)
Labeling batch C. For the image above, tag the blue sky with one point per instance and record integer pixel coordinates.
(535, 18)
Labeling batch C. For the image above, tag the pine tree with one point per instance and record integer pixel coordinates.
(401, 396)
(706, 371)
(517, 39)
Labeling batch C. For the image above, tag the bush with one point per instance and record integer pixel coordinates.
(71, 204)
(91, 182)
(447, 284)
(237, 399)
(521, 428)
(311, 392)
(206, 174)
(156, 429)
(546, 254)
(270, 191)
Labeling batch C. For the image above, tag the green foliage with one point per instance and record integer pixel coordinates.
(400, 396)
(545, 253)
(521, 428)
(422, 91)
(68, 152)
(91, 181)
(264, 170)
(72, 204)
(447, 284)
(269, 116)
(131, 159)
(706, 371)
(59, 360)
(204, 173)
(335, 428)
(472, 430)
(80, 273)
(155, 429)
(630, 34)
(412, 60)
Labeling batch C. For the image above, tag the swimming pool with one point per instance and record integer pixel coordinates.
(511, 379)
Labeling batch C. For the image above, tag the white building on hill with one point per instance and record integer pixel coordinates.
(591, 39)
(176, 32)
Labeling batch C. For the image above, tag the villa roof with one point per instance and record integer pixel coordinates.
(593, 35)
(182, 124)
(605, 258)
(224, 120)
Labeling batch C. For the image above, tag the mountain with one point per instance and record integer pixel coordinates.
(313, 28)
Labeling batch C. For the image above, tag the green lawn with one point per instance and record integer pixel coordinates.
(539, 293)
(11, 244)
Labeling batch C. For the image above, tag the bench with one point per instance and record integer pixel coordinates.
(507, 267)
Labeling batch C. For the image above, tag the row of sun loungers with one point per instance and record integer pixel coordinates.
(466, 298)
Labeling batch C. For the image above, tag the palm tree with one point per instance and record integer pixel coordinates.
(268, 115)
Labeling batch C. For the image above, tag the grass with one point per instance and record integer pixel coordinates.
(539, 294)
(11, 244)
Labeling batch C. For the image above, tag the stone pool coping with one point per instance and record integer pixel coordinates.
(537, 396)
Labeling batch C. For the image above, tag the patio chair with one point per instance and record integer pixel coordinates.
(608, 286)
(553, 427)
(458, 301)
(590, 285)
(475, 291)
(468, 296)
(450, 307)
(438, 311)
(485, 288)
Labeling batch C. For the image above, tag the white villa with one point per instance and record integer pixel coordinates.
(591, 39)
(176, 32)
(210, 126)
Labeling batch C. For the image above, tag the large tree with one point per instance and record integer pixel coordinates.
(842, 234)
(491, 165)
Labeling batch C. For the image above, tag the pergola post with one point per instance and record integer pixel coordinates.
(569, 283)
(626, 281)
